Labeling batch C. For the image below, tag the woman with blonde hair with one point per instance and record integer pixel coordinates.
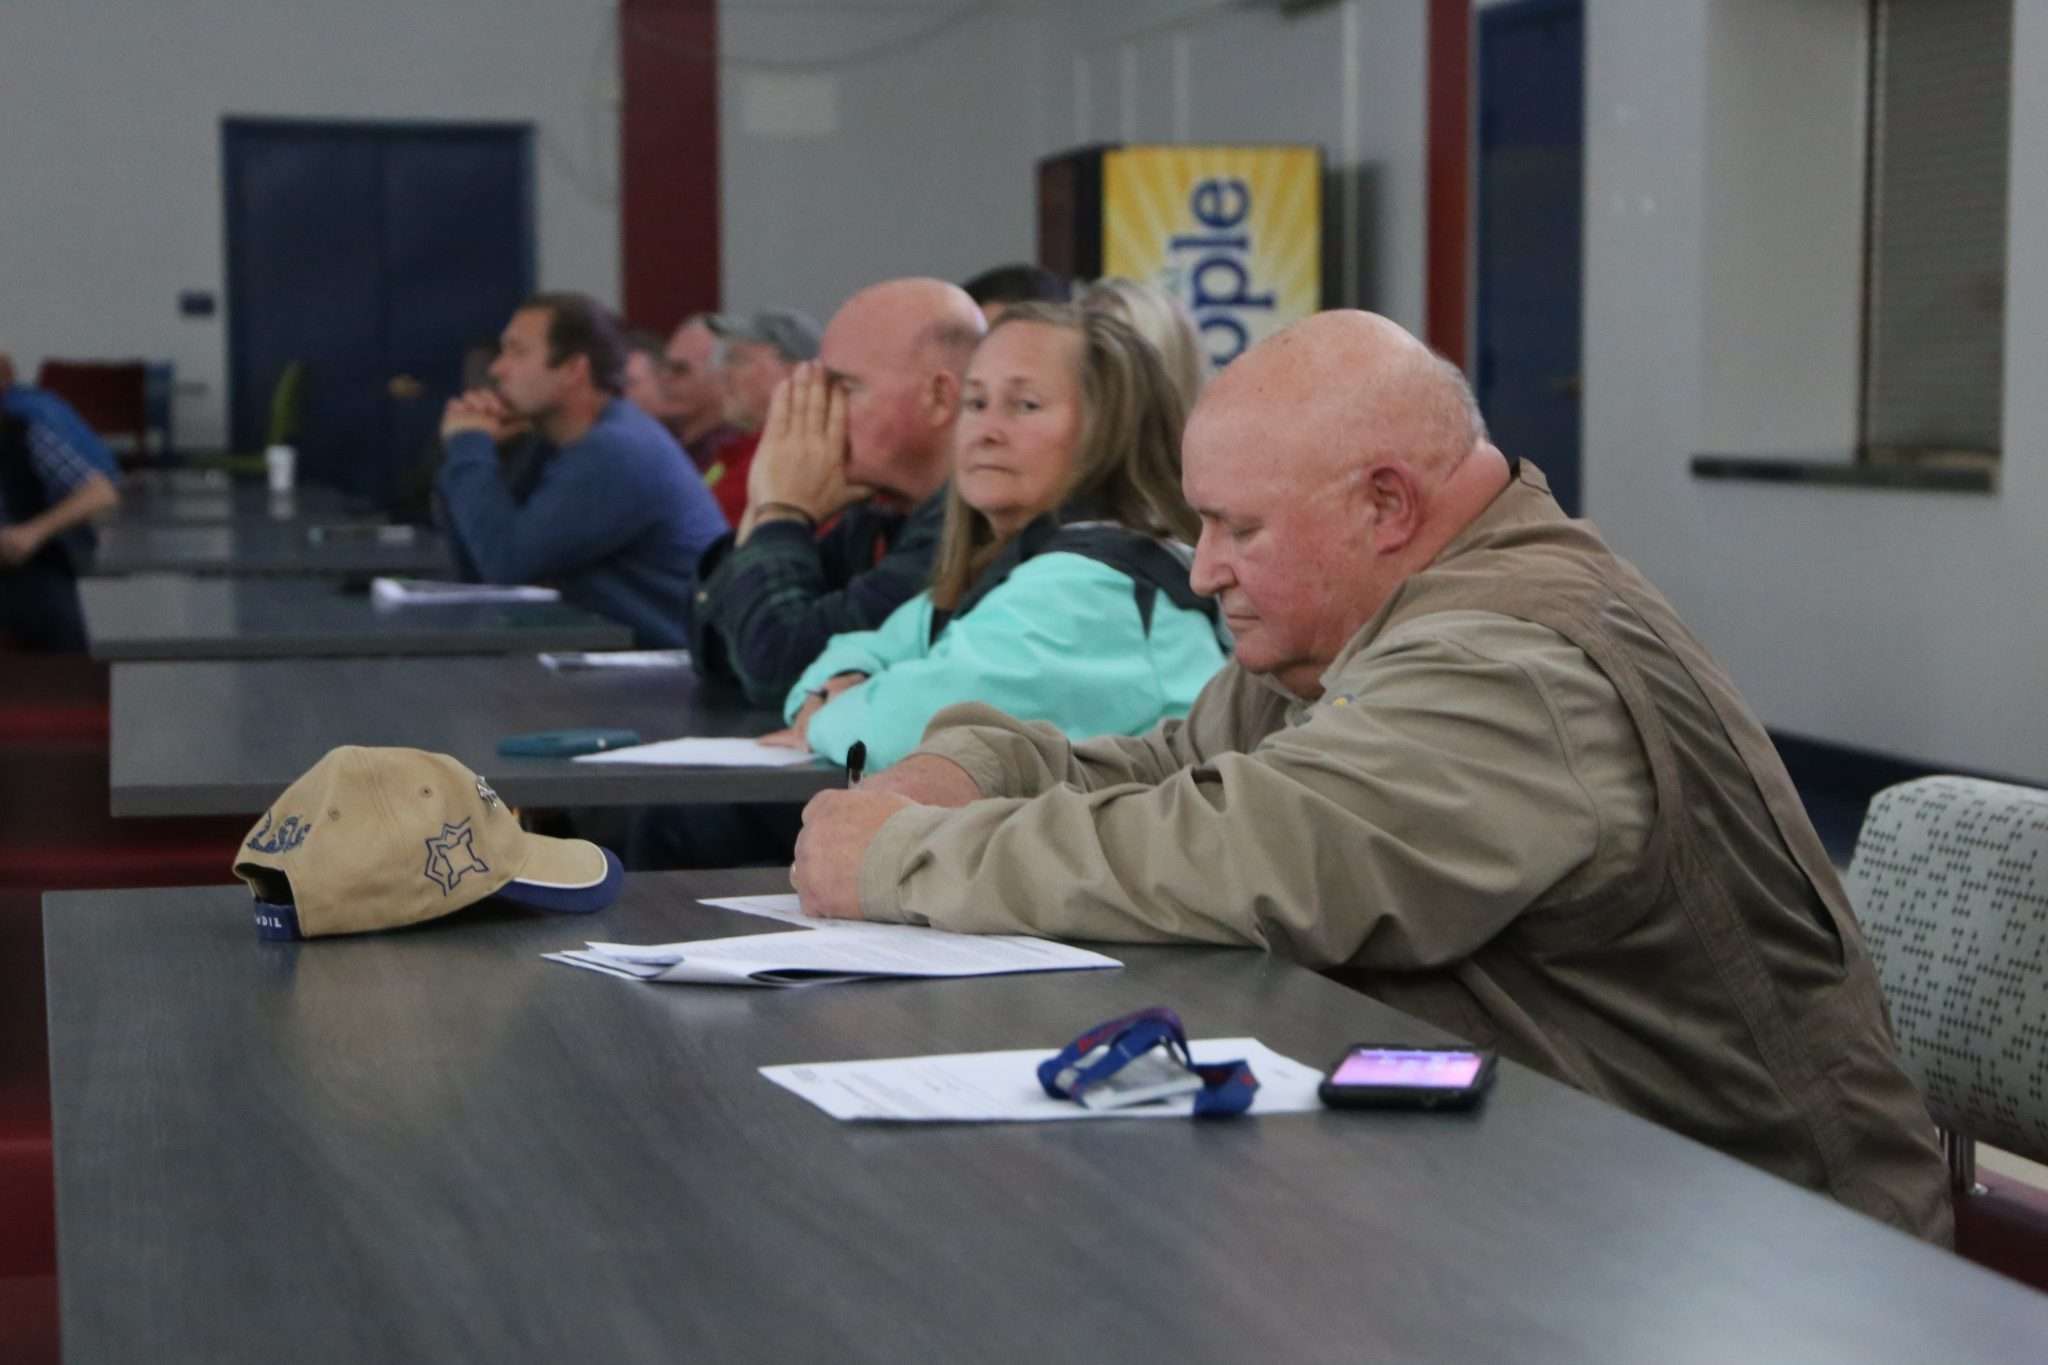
(1061, 591)
(1161, 319)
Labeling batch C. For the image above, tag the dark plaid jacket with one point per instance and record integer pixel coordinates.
(765, 609)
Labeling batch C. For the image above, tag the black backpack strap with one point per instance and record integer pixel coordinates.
(1152, 566)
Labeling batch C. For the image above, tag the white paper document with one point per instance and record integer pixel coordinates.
(834, 952)
(989, 1087)
(416, 592)
(616, 658)
(787, 908)
(703, 753)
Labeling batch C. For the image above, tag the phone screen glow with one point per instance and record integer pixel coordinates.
(1415, 1070)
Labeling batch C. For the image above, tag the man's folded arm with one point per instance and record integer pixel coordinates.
(92, 495)
(770, 602)
(1401, 834)
(582, 511)
(1010, 757)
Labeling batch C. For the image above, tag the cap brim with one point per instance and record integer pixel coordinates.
(567, 876)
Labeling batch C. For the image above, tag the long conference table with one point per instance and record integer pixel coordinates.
(224, 737)
(190, 497)
(433, 1145)
(264, 546)
(175, 616)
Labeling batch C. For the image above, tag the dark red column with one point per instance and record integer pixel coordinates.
(668, 159)
(1450, 177)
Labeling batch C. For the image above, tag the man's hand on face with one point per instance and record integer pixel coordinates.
(801, 461)
(18, 545)
(478, 410)
(838, 827)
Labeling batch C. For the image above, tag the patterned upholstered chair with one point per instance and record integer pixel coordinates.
(1950, 881)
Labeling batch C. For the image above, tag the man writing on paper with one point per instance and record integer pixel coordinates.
(1465, 757)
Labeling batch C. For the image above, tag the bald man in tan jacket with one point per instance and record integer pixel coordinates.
(1465, 758)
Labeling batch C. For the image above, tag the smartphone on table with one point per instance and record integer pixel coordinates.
(1404, 1076)
(566, 743)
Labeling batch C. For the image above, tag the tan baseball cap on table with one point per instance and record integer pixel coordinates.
(378, 838)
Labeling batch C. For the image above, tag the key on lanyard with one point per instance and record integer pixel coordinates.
(1103, 1051)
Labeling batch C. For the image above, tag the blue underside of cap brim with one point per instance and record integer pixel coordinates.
(569, 900)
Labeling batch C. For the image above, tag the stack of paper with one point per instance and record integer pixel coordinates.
(617, 658)
(831, 950)
(703, 753)
(787, 908)
(413, 592)
(843, 952)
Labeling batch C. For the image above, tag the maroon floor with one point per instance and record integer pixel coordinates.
(56, 834)
(2006, 1228)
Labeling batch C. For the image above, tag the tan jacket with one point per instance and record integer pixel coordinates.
(1527, 808)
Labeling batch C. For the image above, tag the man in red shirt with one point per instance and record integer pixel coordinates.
(693, 380)
(761, 351)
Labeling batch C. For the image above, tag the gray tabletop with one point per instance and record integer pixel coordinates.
(432, 1145)
(183, 496)
(292, 546)
(174, 616)
(225, 737)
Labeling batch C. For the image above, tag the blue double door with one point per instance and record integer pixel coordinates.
(1531, 78)
(374, 254)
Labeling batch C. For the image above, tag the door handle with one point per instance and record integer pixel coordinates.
(1570, 385)
(403, 386)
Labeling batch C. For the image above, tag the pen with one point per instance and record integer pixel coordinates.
(856, 759)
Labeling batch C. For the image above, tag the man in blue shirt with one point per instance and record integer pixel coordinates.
(56, 475)
(618, 517)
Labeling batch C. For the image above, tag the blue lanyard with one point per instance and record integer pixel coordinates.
(1106, 1049)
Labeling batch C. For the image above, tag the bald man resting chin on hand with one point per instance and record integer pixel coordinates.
(1466, 758)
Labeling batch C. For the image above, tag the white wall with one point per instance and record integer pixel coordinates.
(1904, 622)
(1786, 89)
(1352, 77)
(860, 138)
(110, 195)
(951, 128)
(860, 141)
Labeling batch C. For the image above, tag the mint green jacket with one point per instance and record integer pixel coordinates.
(1058, 641)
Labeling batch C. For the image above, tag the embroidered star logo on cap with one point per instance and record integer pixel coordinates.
(379, 838)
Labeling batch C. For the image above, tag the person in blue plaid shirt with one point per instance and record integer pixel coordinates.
(56, 475)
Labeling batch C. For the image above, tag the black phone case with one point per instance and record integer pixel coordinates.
(1407, 1096)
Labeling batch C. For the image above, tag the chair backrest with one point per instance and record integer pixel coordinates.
(112, 396)
(1950, 881)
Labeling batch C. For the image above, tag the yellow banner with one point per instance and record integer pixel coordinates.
(1235, 232)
